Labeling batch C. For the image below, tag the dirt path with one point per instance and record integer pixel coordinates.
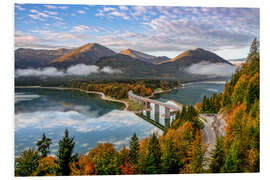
(85, 91)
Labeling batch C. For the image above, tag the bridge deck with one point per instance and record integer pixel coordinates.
(170, 106)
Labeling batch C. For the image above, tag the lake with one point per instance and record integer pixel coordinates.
(191, 93)
(88, 118)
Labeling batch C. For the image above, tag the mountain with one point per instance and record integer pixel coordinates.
(191, 57)
(144, 57)
(87, 54)
(33, 58)
(129, 66)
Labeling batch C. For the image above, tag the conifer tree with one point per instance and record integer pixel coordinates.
(65, 153)
(217, 157)
(169, 158)
(153, 159)
(134, 149)
(44, 145)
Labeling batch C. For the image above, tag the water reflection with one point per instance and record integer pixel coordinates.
(89, 119)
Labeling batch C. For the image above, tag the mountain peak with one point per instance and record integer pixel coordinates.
(87, 54)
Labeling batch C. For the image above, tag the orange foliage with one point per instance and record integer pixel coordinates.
(47, 167)
(127, 168)
(84, 166)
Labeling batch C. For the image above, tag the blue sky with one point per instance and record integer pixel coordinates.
(154, 30)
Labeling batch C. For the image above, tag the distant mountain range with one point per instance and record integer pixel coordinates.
(131, 63)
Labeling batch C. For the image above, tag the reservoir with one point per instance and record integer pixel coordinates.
(88, 118)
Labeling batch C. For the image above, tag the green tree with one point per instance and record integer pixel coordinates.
(26, 163)
(65, 153)
(232, 162)
(153, 159)
(169, 158)
(106, 159)
(44, 145)
(217, 157)
(134, 148)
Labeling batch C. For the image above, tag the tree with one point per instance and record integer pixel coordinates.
(44, 145)
(217, 157)
(65, 153)
(105, 159)
(84, 166)
(127, 168)
(232, 162)
(169, 158)
(26, 163)
(196, 154)
(153, 159)
(47, 167)
(134, 148)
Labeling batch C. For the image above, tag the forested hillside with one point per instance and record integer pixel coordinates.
(239, 150)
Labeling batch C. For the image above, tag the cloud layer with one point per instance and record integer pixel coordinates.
(207, 68)
(76, 70)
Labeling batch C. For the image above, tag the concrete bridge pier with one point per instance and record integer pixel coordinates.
(157, 113)
(167, 117)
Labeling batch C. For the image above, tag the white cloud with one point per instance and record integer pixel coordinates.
(37, 15)
(49, 71)
(207, 68)
(75, 70)
(82, 69)
(83, 28)
(19, 7)
(124, 8)
(50, 6)
(81, 12)
(108, 69)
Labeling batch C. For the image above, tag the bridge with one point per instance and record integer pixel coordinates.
(155, 108)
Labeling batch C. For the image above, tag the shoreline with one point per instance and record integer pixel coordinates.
(103, 96)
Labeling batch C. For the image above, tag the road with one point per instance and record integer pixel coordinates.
(209, 134)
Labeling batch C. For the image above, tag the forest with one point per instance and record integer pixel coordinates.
(180, 149)
(119, 89)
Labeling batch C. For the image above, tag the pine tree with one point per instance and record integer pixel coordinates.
(134, 149)
(217, 157)
(169, 157)
(65, 153)
(153, 159)
(44, 145)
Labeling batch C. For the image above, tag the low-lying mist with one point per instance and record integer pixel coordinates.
(76, 70)
(207, 68)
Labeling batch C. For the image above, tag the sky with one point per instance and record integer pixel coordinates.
(155, 30)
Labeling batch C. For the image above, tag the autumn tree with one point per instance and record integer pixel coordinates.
(84, 166)
(105, 159)
(44, 145)
(47, 167)
(65, 153)
(27, 162)
(196, 154)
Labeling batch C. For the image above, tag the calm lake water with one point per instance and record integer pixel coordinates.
(88, 118)
(191, 93)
